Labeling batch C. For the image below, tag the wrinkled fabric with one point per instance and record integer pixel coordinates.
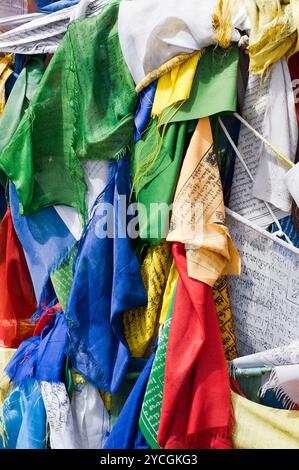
(225, 317)
(18, 302)
(151, 407)
(196, 411)
(24, 418)
(141, 325)
(46, 242)
(107, 283)
(273, 32)
(18, 101)
(261, 427)
(172, 28)
(124, 433)
(42, 356)
(155, 163)
(143, 112)
(198, 216)
(59, 130)
(175, 87)
(49, 6)
(82, 423)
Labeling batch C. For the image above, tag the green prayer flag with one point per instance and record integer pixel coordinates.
(83, 109)
(215, 84)
(156, 162)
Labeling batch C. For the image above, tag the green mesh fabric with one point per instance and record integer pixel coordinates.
(84, 109)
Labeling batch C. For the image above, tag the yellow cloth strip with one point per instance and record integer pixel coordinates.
(261, 427)
(164, 68)
(175, 86)
(141, 325)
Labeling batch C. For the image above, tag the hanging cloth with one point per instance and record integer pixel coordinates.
(107, 283)
(24, 418)
(125, 431)
(59, 130)
(46, 241)
(196, 410)
(41, 357)
(198, 217)
(18, 301)
(273, 32)
(141, 325)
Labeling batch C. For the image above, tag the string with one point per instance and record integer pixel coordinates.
(280, 232)
(277, 153)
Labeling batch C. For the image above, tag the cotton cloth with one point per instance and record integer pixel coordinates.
(18, 302)
(195, 386)
(88, 63)
(171, 28)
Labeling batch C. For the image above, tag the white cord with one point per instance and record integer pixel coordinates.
(280, 232)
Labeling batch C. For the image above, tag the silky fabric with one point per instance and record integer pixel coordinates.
(18, 301)
(24, 418)
(125, 431)
(59, 130)
(46, 242)
(196, 411)
(42, 356)
(107, 282)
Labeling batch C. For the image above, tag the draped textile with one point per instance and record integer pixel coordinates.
(107, 283)
(59, 130)
(141, 325)
(125, 431)
(24, 418)
(198, 383)
(46, 242)
(173, 28)
(273, 33)
(155, 164)
(198, 217)
(50, 6)
(41, 357)
(18, 301)
(261, 427)
(82, 423)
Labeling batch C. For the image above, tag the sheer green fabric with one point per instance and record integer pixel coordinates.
(83, 109)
